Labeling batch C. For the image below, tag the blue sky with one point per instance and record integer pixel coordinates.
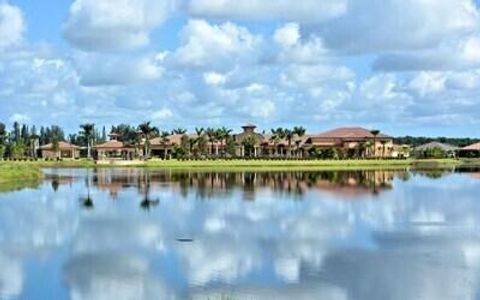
(406, 67)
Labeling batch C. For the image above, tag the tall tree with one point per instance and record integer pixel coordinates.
(180, 131)
(43, 136)
(212, 139)
(148, 132)
(164, 138)
(375, 133)
(299, 131)
(3, 136)
(88, 130)
(288, 134)
(277, 135)
(104, 135)
(16, 133)
(223, 133)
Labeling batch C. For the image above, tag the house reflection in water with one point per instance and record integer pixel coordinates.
(207, 185)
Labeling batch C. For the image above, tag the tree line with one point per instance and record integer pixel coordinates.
(24, 141)
(418, 141)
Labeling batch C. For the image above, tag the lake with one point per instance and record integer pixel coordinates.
(138, 234)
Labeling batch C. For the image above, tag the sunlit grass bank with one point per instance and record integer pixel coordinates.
(19, 172)
(300, 164)
(29, 170)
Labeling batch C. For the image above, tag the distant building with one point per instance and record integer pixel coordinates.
(401, 151)
(63, 150)
(115, 149)
(470, 151)
(346, 142)
(353, 142)
(436, 149)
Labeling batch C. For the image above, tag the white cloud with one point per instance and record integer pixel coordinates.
(305, 11)
(99, 69)
(315, 75)
(12, 25)
(114, 25)
(428, 82)
(11, 277)
(213, 78)
(463, 80)
(454, 54)
(262, 109)
(20, 118)
(391, 25)
(162, 114)
(216, 46)
(288, 35)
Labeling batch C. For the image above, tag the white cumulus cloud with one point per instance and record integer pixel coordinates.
(115, 24)
(215, 46)
(392, 25)
(305, 11)
(12, 25)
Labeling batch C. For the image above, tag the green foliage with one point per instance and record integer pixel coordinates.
(230, 146)
(418, 141)
(435, 153)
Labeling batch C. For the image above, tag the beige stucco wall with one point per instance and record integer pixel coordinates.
(50, 154)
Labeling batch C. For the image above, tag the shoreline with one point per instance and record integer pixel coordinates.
(29, 170)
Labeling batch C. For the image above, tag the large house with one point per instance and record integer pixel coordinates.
(345, 142)
(470, 151)
(60, 150)
(353, 142)
(115, 149)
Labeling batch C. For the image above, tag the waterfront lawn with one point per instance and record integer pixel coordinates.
(13, 171)
(25, 170)
(299, 164)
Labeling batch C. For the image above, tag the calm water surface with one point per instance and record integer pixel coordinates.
(134, 234)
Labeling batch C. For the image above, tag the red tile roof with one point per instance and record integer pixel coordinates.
(475, 147)
(61, 146)
(350, 133)
(110, 145)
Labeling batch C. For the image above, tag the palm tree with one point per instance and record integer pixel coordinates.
(275, 139)
(164, 140)
(88, 130)
(199, 131)
(223, 133)
(375, 133)
(362, 148)
(180, 131)
(288, 134)
(212, 138)
(383, 142)
(299, 131)
(147, 131)
(200, 140)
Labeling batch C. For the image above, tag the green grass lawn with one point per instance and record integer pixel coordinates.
(19, 171)
(29, 170)
(293, 163)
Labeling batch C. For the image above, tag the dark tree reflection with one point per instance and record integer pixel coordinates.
(87, 201)
(222, 185)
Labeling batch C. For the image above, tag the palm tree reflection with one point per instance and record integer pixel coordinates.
(214, 185)
(87, 202)
(147, 203)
